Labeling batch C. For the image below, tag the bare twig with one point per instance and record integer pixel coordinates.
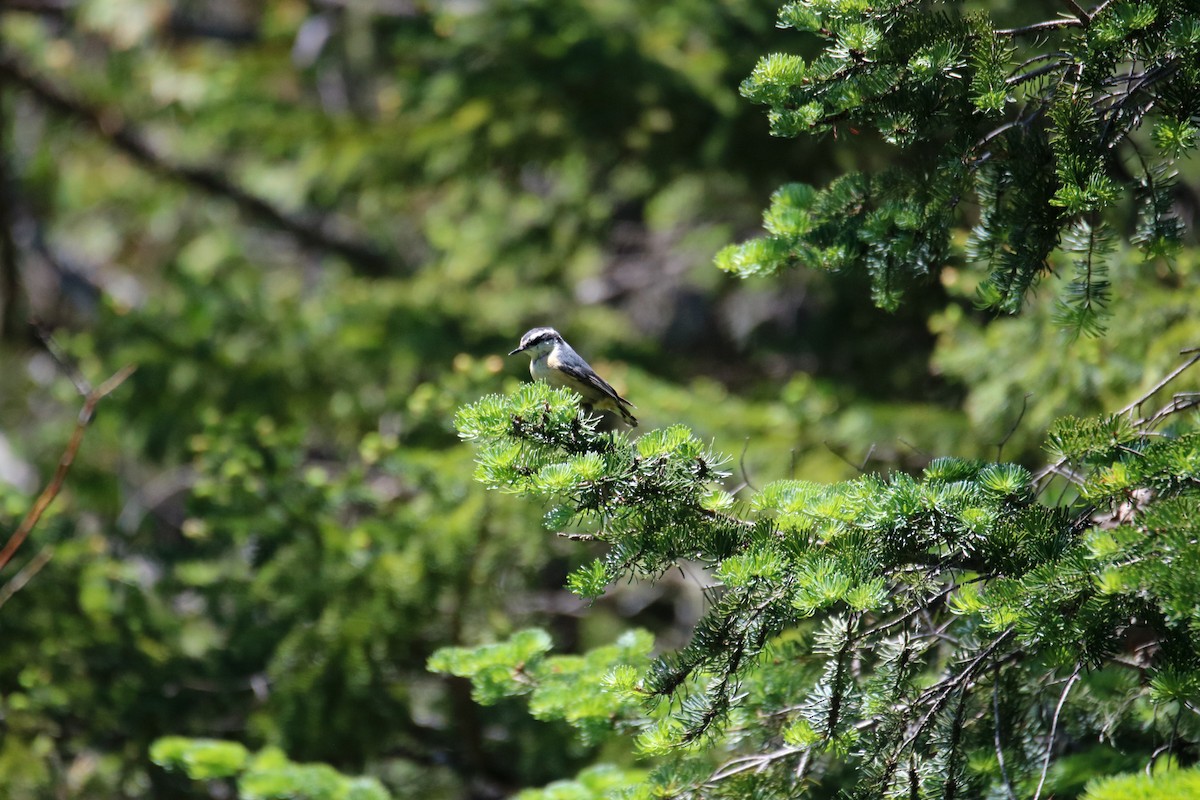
(1175, 373)
(110, 125)
(1013, 428)
(870, 452)
(65, 363)
(757, 762)
(1039, 27)
(55, 485)
(858, 467)
(1054, 729)
(26, 574)
(996, 730)
(1029, 62)
(1180, 402)
(1084, 18)
(1033, 74)
(742, 466)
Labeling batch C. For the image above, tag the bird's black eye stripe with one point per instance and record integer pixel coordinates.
(545, 336)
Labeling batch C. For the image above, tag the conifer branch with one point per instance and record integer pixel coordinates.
(941, 691)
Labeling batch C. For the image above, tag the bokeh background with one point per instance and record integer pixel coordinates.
(316, 228)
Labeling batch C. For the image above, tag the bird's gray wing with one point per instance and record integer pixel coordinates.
(590, 378)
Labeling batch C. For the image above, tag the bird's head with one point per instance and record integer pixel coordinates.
(537, 341)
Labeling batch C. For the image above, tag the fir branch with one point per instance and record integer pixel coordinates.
(1112, 107)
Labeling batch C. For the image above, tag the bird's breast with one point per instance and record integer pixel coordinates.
(542, 370)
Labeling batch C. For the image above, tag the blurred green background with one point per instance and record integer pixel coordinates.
(316, 228)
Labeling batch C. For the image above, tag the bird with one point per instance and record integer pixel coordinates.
(556, 362)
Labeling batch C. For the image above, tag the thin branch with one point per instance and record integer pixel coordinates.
(1038, 27)
(1084, 18)
(802, 765)
(1013, 428)
(110, 125)
(870, 452)
(945, 688)
(861, 468)
(996, 730)
(26, 574)
(920, 607)
(1029, 62)
(65, 363)
(1170, 377)
(1025, 77)
(742, 466)
(1059, 467)
(1180, 402)
(1054, 729)
(1119, 100)
(757, 762)
(56, 8)
(55, 485)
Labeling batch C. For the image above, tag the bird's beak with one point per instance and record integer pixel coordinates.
(514, 352)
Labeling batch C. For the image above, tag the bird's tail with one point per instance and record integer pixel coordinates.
(626, 415)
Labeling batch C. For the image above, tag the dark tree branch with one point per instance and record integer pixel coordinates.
(1084, 18)
(311, 231)
(54, 8)
(1025, 77)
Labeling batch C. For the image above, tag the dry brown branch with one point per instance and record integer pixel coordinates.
(55, 485)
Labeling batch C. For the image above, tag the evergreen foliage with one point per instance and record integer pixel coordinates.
(316, 226)
(1162, 785)
(267, 775)
(942, 635)
(1042, 126)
